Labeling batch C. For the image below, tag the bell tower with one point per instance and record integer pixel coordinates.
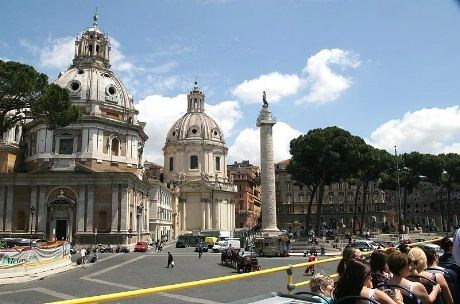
(92, 48)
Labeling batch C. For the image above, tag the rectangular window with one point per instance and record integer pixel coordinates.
(66, 146)
(171, 164)
(288, 186)
(193, 162)
(217, 163)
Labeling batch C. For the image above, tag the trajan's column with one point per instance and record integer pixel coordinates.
(265, 122)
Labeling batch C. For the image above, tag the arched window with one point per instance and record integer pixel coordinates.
(217, 163)
(194, 162)
(21, 220)
(102, 220)
(171, 164)
(115, 147)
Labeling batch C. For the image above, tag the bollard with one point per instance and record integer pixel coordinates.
(290, 284)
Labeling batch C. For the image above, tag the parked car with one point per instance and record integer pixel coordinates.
(362, 245)
(180, 244)
(203, 246)
(220, 246)
(141, 246)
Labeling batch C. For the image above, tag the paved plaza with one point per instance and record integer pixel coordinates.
(131, 271)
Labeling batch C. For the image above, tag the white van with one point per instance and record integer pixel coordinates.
(220, 246)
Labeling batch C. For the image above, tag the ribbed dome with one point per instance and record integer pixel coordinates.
(95, 83)
(195, 125)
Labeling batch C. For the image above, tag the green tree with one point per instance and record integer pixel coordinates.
(319, 158)
(367, 164)
(25, 94)
(449, 179)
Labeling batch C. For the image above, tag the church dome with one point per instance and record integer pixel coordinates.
(195, 124)
(89, 77)
(95, 83)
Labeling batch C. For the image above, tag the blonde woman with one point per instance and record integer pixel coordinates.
(400, 265)
(419, 266)
(322, 285)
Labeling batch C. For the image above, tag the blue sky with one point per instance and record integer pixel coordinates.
(388, 71)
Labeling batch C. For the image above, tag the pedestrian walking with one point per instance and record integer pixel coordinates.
(170, 260)
(83, 256)
(200, 251)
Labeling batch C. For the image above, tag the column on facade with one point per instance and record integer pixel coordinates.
(208, 215)
(135, 216)
(49, 141)
(84, 140)
(232, 213)
(203, 214)
(182, 219)
(215, 215)
(80, 218)
(124, 208)
(90, 209)
(114, 208)
(33, 202)
(9, 208)
(41, 212)
(2, 205)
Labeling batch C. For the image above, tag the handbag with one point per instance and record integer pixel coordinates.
(172, 263)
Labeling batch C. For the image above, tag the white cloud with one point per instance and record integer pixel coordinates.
(431, 130)
(324, 84)
(118, 60)
(57, 52)
(247, 144)
(226, 114)
(275, 84)
(159, 112)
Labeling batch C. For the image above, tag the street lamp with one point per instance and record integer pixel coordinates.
(32, 212)
(400, 216)
(139, 210)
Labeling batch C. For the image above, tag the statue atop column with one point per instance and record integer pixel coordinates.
(264, 99)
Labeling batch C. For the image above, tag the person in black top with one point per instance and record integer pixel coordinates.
(170, 260)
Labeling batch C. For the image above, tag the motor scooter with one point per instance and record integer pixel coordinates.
(311, 268)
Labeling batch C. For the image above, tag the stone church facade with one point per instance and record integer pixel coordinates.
(84, 182)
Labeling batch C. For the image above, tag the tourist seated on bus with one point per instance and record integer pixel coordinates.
(419, 266)
(400, 266)
(451, 277)
(380, 271)
(356, 280)
(447, 259)
(323, 285)
(348, 254)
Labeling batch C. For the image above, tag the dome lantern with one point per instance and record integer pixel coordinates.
(92, 48)
(195, 100)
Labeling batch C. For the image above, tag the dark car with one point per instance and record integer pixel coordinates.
(180, 244)
(203, 246)
(363, 246)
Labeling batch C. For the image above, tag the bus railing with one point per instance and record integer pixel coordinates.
(154, 290)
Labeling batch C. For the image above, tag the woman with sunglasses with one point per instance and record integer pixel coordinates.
(348, 254)
(400, 265)
(356, 280)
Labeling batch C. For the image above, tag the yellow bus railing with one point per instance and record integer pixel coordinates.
(153, 290)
